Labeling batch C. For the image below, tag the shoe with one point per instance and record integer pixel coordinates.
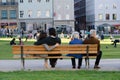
(96, 67)
(78, 67)
(73, 67)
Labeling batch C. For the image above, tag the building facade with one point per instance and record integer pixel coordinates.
(8, 14)
(42, 14)
(102, 13)
(80, 14)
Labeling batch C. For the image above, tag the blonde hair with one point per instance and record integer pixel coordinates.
(75, 35)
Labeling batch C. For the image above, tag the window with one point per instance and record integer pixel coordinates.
(59, 17)
(21, 1)
(4, 2)
(100, 16)
(47, 0)
(29, 1)
(114, 6)
(29, 13)
(67, 6)
(107, 16)
(67, 16)
(4, 14)
(100, 6)
(114, 16)
(21, 13)
(48, 13)
(38, 0)
(12, 2)
(13, 14)
(38, 13)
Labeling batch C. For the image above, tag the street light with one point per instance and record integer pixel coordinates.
(53, 13)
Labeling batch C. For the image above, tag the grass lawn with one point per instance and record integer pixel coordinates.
(60, 75)
(109, 52)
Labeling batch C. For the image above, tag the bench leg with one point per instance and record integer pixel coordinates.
(23, 63)
(87, 63)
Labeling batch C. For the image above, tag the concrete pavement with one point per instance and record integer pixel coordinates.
(65, 64)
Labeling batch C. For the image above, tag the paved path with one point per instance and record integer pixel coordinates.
(65, 64)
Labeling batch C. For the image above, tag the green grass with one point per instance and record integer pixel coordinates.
(60, 75)
(110, 52)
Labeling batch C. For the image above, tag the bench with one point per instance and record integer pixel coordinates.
(27, 51)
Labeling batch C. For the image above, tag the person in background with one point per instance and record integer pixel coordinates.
(115, 42)
(76, 39)
(12, 42)
(93, 40)
(20, 41)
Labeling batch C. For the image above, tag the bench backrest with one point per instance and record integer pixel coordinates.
(62, 49)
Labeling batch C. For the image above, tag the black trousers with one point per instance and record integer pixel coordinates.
(74, 62)
(98, 58)
(53, 61)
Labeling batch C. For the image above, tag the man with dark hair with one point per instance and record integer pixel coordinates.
(51, 40)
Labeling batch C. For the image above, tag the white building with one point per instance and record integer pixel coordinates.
(103, 12)
(42, 14)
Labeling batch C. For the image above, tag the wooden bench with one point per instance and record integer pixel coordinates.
(27, 51)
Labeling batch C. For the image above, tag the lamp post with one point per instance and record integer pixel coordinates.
(53, 13)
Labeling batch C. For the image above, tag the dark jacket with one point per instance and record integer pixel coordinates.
(92, 40)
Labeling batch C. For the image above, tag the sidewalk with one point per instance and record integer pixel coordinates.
(65, 64)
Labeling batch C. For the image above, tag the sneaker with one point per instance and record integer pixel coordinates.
(73, 67)
(78, 67)
(96, 67)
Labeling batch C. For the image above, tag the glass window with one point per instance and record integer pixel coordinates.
(13, 14)
(100, 16)
(21, 13)
(48, 13)
(47, 0)
(67, 16)
(114, 16)
(38, 0)
(38, 13)
(114, 6)
(21, 1)
(29, 13)
(4, 1)
(4, 14)
(100, 6)
(29, 1)
(107, 16)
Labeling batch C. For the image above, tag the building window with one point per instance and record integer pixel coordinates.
(114, 6)
(107, 16)
(21, 13)
(67, 6)
(21, 1)
(100, 6)
(48, 13)
(47, 0)
(38, 13)
(107, 6)
(114, 16)
(4, 14)
(100, 16)
(67, 17)
(29, 1)
(59, 17)
(38, 0)
(12, 2)
(13, 14)
(29, 13)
